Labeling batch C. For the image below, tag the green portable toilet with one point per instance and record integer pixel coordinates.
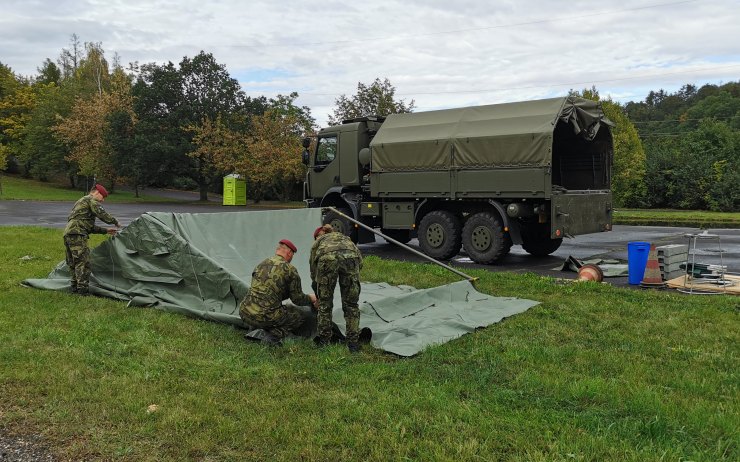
(235, 190)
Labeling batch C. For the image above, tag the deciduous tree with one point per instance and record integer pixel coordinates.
(17, 100)
(172, 102)
(378, 99)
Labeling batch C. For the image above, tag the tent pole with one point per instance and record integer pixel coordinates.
(414, 251)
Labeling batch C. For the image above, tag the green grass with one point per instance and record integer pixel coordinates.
(593, 373)
(687, 218)
(16, 188)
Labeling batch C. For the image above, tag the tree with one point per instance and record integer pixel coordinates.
(628, 173)
(15, 113)
(70, 58)
(158, 102)
(374, 99)
(172, 102)
(267, 156)
(122, 135)
(49, 73)
(223, 147)
(93, 74)
(708, 168)
(83, 73)
(83, 131)
(87, 131)
(691, 148)
(285, 106)
(17, 100)
(41, 153)
(722, 106)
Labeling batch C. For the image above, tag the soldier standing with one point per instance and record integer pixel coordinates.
(80, 224)
(273, 281)
(335, 257)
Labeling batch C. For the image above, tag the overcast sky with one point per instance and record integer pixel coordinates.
(440, 53)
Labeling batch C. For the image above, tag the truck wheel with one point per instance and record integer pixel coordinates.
(483, 238)
(536, 240)
(439, 234)
(341, 224)
(401, 235)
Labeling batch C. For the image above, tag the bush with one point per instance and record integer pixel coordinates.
(184, 183)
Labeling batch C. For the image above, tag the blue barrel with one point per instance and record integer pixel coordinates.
(637, 257)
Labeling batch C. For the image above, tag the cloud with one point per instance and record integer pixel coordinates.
(437, 52)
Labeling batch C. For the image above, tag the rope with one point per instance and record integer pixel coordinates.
(112, 264)
(197, 282)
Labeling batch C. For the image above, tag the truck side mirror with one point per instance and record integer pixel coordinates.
(306, 142)
(304, 157)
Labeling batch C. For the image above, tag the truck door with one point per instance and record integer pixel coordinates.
(324, 172)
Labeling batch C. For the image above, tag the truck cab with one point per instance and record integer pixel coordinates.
(337, 169)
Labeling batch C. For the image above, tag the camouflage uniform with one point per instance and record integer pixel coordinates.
(334, 256)
(80, 223)
(273, 281)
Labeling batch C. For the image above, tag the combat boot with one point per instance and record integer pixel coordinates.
(353, 347)
(320, 342)
(271, 339)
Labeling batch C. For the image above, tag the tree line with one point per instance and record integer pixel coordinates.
(182, 125)
(188, 124)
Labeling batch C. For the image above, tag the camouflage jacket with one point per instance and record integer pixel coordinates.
(273, 281)
(336, 243)
(81, 220)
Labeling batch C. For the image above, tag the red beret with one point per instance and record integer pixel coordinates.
(289, 245)
(103, 192)
(316, 233)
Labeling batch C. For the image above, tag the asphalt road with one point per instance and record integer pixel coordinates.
(610, 245)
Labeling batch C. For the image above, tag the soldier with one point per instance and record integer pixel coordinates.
(335, 257)
(80, 224)
(273, 281)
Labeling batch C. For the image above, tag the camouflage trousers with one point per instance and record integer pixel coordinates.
(78, 261)
(346, 269)
(280, 322)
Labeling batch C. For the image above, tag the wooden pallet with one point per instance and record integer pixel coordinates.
(703, 285)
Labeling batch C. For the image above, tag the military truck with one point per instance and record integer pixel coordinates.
(480, 178)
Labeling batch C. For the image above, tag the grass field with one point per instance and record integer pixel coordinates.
(687, 218)
(593, 373)
(16, 188)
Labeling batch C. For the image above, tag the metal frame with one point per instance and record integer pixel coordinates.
(693, 238)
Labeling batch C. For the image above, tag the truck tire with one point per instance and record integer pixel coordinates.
(483, 238)
(401, 235)
(536, 240)
(341, 224)
(439, 234)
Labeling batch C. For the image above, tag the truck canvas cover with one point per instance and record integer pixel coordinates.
(499, 135)
(200, 265)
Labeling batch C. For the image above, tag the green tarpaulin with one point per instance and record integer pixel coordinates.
(497, 135)
(200, 265)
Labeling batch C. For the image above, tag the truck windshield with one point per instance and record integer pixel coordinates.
(326, 150)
